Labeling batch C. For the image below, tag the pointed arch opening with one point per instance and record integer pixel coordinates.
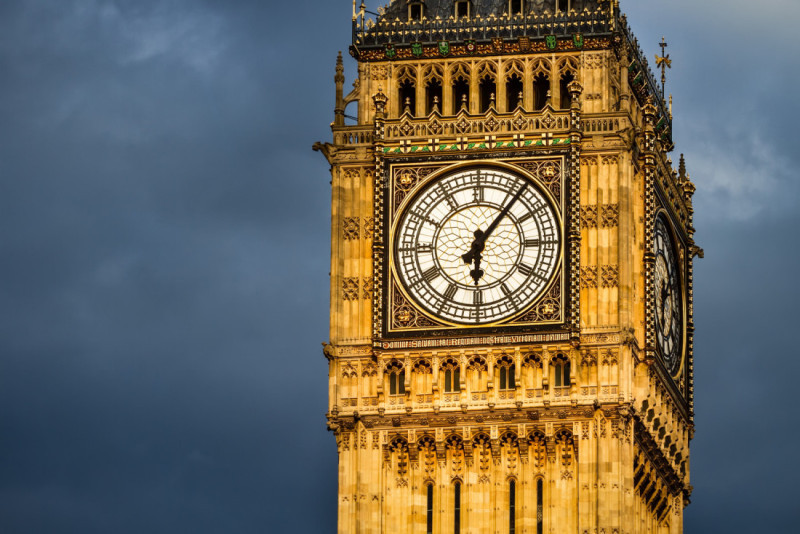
(514, 92)
(506, 373)
(488, 90)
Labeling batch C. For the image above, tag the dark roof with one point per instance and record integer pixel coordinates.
(398, 9)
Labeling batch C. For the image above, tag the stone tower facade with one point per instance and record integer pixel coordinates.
(511, 275)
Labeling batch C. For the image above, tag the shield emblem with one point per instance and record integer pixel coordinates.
(470, 46)
(390, 51)
(416, 49)
(551, 42)
(444, 48)
(577, 40)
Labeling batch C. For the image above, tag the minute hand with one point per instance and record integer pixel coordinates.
(503, 213)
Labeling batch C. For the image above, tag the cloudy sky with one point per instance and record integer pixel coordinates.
(164, 228)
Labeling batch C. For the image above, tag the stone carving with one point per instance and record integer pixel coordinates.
(350, 289)
(609, 215)
(589, 277)
(589, 216)
(350, 227)
(609, 275)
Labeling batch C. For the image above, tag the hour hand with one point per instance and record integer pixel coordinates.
(477, 247)
(474, 255)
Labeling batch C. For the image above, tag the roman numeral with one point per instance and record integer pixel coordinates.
(450, 292)
(425, 218)
(424, 247)
(430, 274)
(525, 269)
(531, 242)
(524, 218)
(477, 298)
(448, 197)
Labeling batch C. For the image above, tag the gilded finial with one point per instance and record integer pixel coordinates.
(664, 62)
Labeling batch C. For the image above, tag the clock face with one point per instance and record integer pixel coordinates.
(477, 246)
(668, 303)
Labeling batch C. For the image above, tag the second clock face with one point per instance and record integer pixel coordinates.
(668, 302)
(477, 246)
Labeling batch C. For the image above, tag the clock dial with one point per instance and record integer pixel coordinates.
(668, 302)
(477, 246)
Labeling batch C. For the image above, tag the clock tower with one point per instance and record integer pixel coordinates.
(511, 332)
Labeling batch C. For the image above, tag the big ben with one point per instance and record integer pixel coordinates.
(511, 332)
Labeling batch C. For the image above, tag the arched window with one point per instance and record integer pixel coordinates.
(561, 371)
(516, 7)
(512, 507)
(541, 90)
(539, 507)
(505, 370)
(452, 376)
(457, 507)
(566, 79)
(513, 92)
(433, 96)
(460, 94)
(429, 510)
(397, 379)
(407, 94)
(488, 89)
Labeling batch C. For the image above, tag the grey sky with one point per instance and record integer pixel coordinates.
(163, 277)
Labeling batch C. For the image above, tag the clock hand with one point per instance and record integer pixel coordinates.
(503, 213)
(479, 243)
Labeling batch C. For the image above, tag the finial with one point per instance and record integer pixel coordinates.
(664, 62)
(547, 98)
(464, 101)
(670, 107)
(339, 68)
(519, 100)
(407, 108)
(682, 169)
(338, 78)
(491, 100)
(435, 104)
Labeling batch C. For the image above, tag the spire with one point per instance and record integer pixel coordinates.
(682, 169)
(338, 119)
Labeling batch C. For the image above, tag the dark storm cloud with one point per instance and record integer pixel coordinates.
(165, 245)
(733, 62)
(164, 220)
